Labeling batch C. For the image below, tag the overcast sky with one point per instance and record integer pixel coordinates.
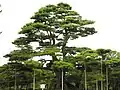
(16, 13)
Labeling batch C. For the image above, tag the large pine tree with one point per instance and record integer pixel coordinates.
(51, 28)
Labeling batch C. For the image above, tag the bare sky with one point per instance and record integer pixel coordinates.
(16, 13)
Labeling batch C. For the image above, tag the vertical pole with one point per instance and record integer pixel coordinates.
(63, 71)
(15, 80)
(85, 78)
(107, 77)
(96, 84)
(62, 80)
(101, 75)
(34, 80)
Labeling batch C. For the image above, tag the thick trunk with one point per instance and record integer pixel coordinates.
(60, 74)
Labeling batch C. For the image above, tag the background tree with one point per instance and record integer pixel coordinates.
(85, 58)
(74, 71)
(102, 54)
(108, 58)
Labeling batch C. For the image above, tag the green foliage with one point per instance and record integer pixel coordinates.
(62, 65)
(33, 64)
(87, 55)
(19, 55)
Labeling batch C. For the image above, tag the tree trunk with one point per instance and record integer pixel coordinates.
(85, 78)
(96, 84)
(62, 80)
(34, 80)
(107, 78)
(15, 80)
(101, 75)
(58, 80)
